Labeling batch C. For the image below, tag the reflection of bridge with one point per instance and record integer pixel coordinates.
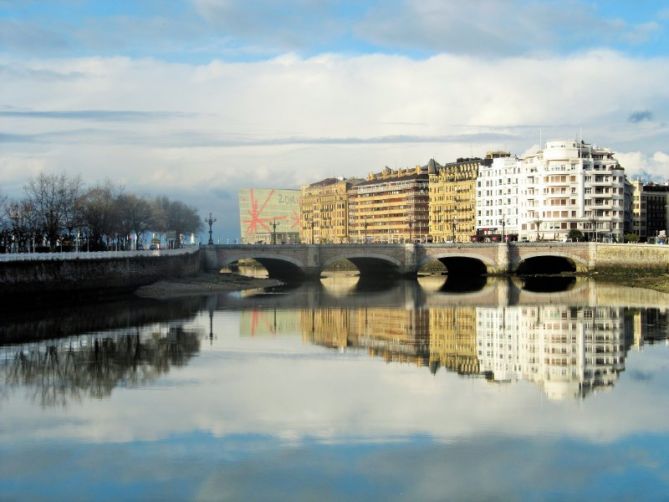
(290, 261)
(431, 292)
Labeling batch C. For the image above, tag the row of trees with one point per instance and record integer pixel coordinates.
(58, 212)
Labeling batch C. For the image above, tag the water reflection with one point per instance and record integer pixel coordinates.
(568, 351)
(568, 343)
(55, 373)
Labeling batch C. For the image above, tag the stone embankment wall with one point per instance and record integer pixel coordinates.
(49, 273)
(631, 257)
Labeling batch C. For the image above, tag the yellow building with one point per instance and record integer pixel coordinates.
(452, 206)
(453, 339)
(324, 211)
(390, 206)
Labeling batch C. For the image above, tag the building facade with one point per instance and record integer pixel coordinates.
(571, 185)
(497, 214)
(390, 206)
(650, 210)
(453, 200)
(324, 211)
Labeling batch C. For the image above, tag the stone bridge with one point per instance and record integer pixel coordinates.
(383, 260)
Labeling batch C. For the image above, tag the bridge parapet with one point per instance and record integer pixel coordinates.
(406, 259)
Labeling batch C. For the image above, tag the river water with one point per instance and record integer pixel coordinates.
(407, 390)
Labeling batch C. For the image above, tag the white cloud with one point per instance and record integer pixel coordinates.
(654, 167)
(192, 128)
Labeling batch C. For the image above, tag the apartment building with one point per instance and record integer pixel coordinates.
(650, 210)
(452, 207)
(571, 185)
(390, 206)
(497, 214)
(324, 211)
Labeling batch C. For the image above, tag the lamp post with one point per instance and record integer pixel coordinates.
(503, 225)
(453, 230)
(537, 223)
(410, 231)
(593, 228)
(210, 221)
(365, 234)
(274, 224)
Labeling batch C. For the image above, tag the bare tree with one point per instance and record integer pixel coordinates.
(175, 216)
(53, 199)
(135, 215)
(99, 214)
(22, 225)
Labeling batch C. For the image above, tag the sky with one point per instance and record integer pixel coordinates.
(199, 98)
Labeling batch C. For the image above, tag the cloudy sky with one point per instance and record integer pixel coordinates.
(198, 98)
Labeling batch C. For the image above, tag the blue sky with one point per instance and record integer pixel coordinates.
(200, 30)
(198, 98)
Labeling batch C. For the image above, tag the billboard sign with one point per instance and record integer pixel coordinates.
(264, 211)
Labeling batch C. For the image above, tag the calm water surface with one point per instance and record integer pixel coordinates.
(342, 390)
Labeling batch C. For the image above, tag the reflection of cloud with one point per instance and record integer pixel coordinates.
(278, 387)
(202, 467)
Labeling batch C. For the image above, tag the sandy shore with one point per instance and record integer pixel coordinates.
(203, 284)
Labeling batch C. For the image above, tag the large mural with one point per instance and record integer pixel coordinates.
(263, 212)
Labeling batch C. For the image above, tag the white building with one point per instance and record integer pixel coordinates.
(571, 185)
(497, 197)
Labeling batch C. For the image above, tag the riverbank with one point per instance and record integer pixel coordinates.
(657, 281)
(203, 284)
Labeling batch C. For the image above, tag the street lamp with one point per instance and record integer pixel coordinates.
(538, 223)
(410, 231)
(453, 230)
(503, 225)
(274, 225)
(210, 221)
(593, 228)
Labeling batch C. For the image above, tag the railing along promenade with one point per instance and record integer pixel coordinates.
(95, 255)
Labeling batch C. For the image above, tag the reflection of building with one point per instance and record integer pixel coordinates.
(648, 326)
(390, 206)
(269, 216)
(260, 322)
(453, 200)
(570, 351)
(453, 339)
(567, 351)
(328, 327)
(398, 335)
(324, 211)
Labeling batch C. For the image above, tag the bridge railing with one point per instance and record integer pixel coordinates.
(94, 255)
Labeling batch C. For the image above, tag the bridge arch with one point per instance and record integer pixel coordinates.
(368, 264)
(461, 265)
(278, 267)
(549, 263)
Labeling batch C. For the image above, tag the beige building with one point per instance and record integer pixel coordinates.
(452, 207)
(324, 211)
(390, 206)
(650, 210)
